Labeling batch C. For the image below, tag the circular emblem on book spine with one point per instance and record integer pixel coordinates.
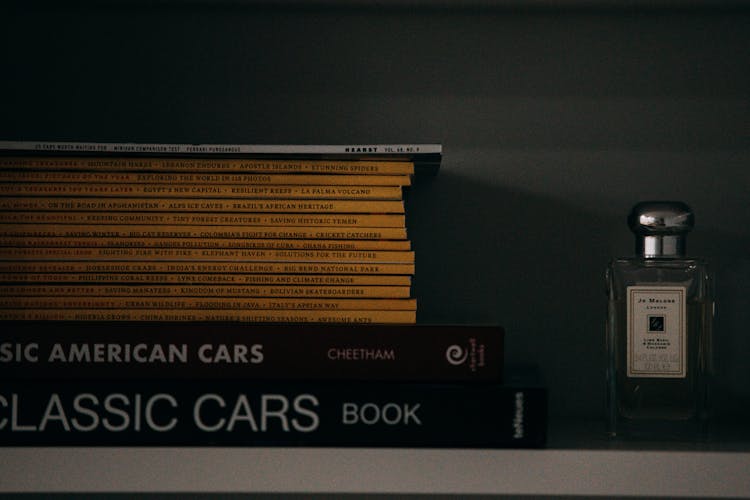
(456, 355)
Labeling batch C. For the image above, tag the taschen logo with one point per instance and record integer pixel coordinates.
(471, 355)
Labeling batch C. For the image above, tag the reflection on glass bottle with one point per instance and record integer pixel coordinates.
(659, 329)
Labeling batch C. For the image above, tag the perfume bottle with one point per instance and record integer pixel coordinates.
(659, 322)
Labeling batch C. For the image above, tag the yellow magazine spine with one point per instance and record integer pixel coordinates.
(203, 219)
(210, 254)
(203, 205)
(244, 191)
(249, 316)
(79, 290)
(357, 167)
(200, 231)
(205, 278)
(281, 244)
(168, 303)
(188, 267)
(167, 178)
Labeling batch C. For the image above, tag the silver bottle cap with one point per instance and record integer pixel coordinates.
(660, 228)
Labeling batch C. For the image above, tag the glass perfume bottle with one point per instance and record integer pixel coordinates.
(659, 324)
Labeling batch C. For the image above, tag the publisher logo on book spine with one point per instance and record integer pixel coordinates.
(470, 354)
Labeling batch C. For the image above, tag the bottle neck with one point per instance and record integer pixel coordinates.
(662, 245)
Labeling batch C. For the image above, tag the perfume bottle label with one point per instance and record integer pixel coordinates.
(656, 332)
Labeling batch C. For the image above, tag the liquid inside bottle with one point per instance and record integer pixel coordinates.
(659, 331)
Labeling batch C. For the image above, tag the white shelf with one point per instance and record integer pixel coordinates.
(356, 470)
(580, 460)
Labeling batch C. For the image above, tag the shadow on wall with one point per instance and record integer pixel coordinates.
(732, 335)
(486, 254)
(533, 265)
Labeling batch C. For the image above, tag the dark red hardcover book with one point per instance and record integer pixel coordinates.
(94, 350)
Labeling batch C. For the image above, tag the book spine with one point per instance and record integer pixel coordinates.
(30, 350)
(202, 254)
(244, 191)
(327, 291)
(203, 219)
(210, 150)
(206, 165)
(191, 315)
(201, 413)
(211, 205)
(315, 182)
(291, 280)
(205, 303)
(278, 244)
(200, 231)
(203, 267)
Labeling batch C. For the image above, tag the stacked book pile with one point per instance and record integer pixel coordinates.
(230, 384)
(200, 233)
(133, 288)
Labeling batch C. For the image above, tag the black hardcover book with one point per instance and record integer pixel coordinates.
(440, 353)
(252, 413)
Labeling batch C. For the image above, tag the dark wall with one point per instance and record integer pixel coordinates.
(553, 123)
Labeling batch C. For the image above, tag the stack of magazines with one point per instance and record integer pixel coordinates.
(164, 295)
(134, 232)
